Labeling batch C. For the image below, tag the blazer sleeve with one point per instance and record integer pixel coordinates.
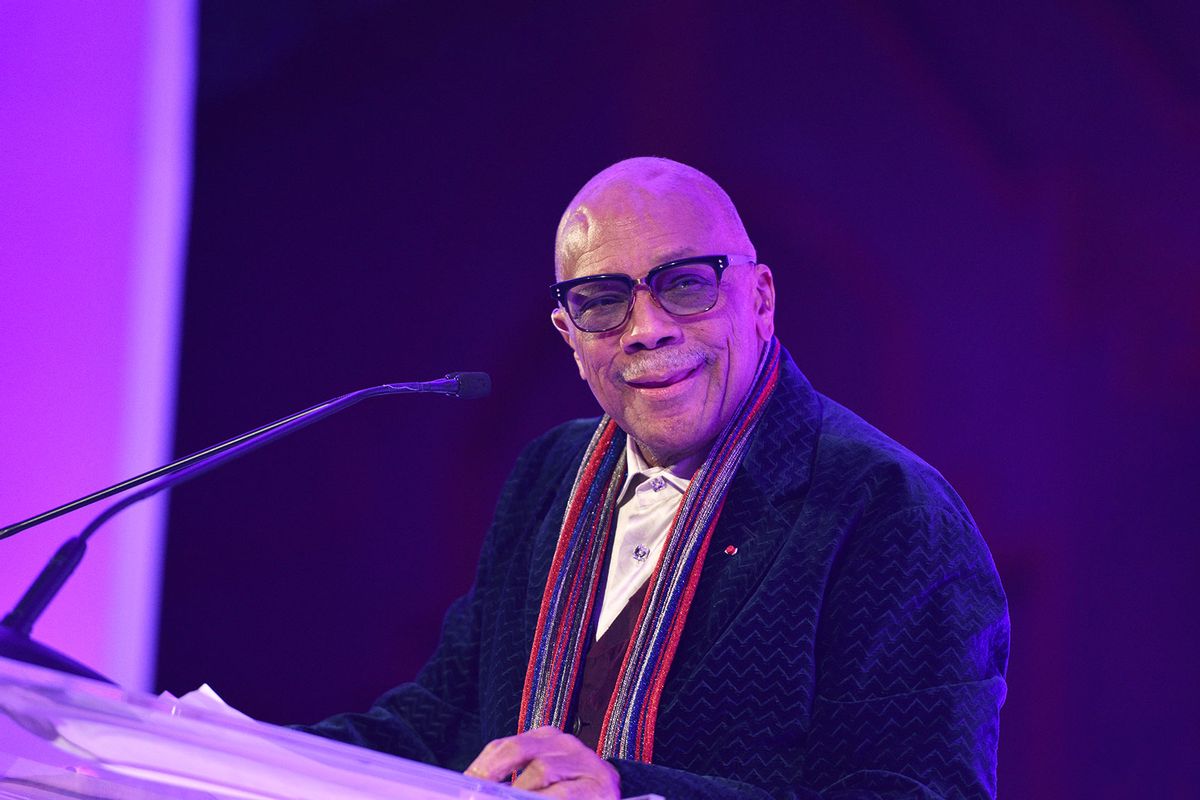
(431, 719)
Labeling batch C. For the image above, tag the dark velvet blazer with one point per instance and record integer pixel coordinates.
(854, 646)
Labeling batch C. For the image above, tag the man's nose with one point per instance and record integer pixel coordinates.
(649, 325)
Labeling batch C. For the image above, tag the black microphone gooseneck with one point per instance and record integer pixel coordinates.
(467, 385)
(16, 627)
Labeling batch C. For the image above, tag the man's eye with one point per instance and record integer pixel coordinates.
(686, 281)
(601, 301)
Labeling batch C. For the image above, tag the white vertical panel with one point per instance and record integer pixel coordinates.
(95, 129)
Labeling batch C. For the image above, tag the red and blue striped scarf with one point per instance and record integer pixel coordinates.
(569, 600)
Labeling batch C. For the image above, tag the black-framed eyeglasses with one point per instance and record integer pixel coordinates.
(686, 286)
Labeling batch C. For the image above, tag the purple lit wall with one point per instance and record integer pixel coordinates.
(95, 137)
(984, 223)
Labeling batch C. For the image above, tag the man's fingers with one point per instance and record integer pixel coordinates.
(538, 774)
(498, 759)
(551, 763)
(552, 768)
(570, 777)
(501, 757)
(571, 774)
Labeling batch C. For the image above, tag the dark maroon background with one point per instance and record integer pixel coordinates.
(984, 226)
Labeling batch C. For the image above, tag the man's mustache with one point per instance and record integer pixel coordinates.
(662, 362)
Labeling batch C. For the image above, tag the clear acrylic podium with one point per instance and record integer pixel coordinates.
(68, 737)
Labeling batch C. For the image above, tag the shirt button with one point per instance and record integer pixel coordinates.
(657, 483)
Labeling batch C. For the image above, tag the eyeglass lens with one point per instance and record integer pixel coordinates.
(602, 305)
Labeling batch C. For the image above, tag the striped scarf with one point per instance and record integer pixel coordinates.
(565, 620)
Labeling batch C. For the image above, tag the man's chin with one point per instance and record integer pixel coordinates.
(666, 447)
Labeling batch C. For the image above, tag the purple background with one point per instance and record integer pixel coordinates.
(984, 226)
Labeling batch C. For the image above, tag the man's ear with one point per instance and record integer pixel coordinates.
(561, 324)
(764, 301)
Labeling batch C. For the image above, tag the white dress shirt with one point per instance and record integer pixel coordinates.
(646, 507)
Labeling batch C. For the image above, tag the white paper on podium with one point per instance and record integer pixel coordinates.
(137, 746)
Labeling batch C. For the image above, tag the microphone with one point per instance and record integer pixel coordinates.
(472, 385)
(16, 627)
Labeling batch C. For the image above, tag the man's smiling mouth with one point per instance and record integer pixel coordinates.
(662, 381)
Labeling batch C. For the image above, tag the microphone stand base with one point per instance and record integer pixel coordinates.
(19, 647)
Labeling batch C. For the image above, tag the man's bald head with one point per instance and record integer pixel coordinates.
(640, 190)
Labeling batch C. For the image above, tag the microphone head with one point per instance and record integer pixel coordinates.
(472, 385)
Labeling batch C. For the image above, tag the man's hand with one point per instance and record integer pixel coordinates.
(551, 763)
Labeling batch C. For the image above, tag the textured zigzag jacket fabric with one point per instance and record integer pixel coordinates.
(853, 647)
